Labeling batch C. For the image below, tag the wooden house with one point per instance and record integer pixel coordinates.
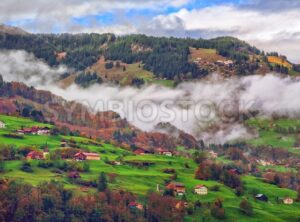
(201, 190)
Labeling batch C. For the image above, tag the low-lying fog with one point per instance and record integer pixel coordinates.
(210, 109)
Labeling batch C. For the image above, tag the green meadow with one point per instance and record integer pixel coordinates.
(141, 180)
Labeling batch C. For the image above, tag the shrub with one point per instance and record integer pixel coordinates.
(45, 164)
(215, 188)
(26, 167)
(13, 135)
(246, 207)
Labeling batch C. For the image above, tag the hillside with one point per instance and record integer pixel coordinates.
(139, 59)
(10, 30)
(132, 176)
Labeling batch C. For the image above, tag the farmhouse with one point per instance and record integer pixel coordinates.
(261, 197)
(141, 151)
(213, 154)
(201, 189)
(35, 155)
(45, 152)
(35, 130)
(135, 205)
(43, 131)
(288, 200)
(80, 156)
(178, 188)
(164, 152)
(2, 125)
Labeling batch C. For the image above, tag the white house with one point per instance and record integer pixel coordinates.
(2, 125)
(288, 200)
(201, 190)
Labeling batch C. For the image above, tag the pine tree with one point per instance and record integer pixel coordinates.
(102, 183)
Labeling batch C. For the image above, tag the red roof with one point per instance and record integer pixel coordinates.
(35, 155)
(174, 185)
(199, 186)
(132, 204)
(140, 151)
(86, 154)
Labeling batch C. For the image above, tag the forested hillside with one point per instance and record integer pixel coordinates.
(175, 59)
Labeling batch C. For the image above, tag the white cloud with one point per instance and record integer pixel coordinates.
(265, 29)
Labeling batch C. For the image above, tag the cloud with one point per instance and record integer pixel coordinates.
(255, 26)
(209, 109)
(267, 24)
(46, 16)
(24, 67)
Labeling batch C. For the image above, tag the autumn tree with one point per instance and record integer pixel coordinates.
(246, 207)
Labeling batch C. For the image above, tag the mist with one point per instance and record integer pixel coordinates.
(209, 109)
(21, 66)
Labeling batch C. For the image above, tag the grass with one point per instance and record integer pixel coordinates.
(269, 136)
(209, 55)
(141, 180)
(280, 61)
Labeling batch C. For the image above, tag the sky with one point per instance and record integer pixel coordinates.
(271, 25)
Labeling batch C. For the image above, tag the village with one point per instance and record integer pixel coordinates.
(77, 161)
(173, 188)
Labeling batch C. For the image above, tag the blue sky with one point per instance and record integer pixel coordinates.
(272, 25)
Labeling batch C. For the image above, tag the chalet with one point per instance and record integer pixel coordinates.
(201, 190)
(135, 205)
(164, 152)
(35, 155)
(84, 189)
(288, 200)
(261, 197)
(35, 130)
(116, 163)
(45, 153)
(178, 188)
(180, 205)
(43, 131)
(80, 156)
(63, 144)
(2, 125)
(213, 154)
(141, 151)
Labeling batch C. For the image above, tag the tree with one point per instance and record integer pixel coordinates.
(2, 165)
(86, 167)
(1, 81)
(246, 207)
(298, 196)
(102, 183)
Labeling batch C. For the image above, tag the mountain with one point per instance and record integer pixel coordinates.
(12, 30)
(21, 100)
(140, 59)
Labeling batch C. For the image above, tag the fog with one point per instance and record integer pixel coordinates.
(17, 65)
(209, 109)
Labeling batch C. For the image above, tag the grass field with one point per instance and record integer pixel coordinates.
(279, 61)
(209, 55)
(269, 136)
(141, 180)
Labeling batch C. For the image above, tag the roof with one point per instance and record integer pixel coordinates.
(199, 186)
(87, 154)
(260, 195)
(132, 204)
(34, 153)
(139, 151)
(175, 184)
